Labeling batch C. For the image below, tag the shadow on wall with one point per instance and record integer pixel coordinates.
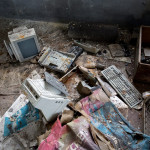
(146, 18)
(127, 12)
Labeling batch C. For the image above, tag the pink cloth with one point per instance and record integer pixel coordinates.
(51, 142)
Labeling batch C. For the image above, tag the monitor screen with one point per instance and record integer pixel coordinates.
(28, 48)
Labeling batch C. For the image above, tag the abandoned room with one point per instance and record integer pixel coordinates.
(75, 75)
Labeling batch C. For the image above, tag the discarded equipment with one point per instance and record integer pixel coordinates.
(83, 88)
(93, 65)
(57, 84)
(87, 47)
(88, 74)
(106, 87)
(58, 61)
(122, 86)
(68, 75)
(116, 50)
(123, 59)
(23, 43)
(76, 50)
(45, 97)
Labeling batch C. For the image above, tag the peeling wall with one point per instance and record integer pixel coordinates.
(125, 12)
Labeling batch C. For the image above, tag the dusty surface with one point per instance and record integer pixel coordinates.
(12, 73)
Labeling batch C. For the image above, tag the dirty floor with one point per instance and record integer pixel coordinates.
(55, 35)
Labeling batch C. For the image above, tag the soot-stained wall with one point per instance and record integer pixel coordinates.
(126, 12)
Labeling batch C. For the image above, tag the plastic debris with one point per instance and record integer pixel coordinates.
(20, 121)
(45, 97)
(54, 82)
(19, 115)
(122, 86)
(87, 47)
(67, 75)
(147, 52)
(106, 87)
(116, 50)
(93, 65)
(118, 102)
(88, 74)
(76, 50)
(123, 59)
(146, 95)
(67, 116)
(83, 88)
(58, 61)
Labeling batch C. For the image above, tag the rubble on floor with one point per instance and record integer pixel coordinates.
(51, 111)
(74, 135)
(116, 50)
(110, 125)
(20, 125)
(87, 48)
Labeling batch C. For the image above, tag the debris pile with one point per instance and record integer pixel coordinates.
(78, 100)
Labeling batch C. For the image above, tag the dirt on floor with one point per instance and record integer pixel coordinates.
(55, 35)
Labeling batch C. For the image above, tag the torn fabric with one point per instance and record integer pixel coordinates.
(110, 126)
(74, 135)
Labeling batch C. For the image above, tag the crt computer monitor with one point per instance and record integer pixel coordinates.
(24, 44)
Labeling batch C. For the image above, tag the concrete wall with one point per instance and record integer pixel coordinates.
(126, 12)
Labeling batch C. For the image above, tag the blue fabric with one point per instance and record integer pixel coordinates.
(109, 121)
(20, 119)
